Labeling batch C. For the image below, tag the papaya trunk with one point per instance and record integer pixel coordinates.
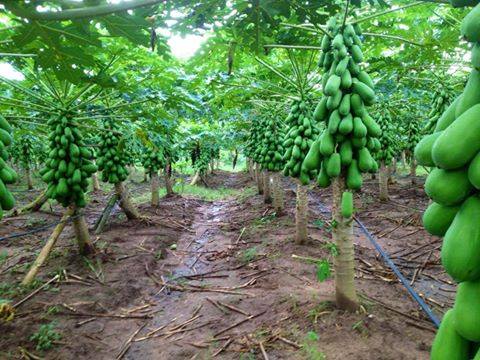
(342, 234)
(154, 183)
(251, 169)
(95, 182)
(80, 227)
(383, 181)
(35, 205)
(404, 160)
(125, 202)
(258, 177)
(301, 214)
(413, 170)
(278, 202)
(168, 180)
(267, 197)
(47, 248)
(29, 178)
(145, 176)
(195, 178)
(393, 167)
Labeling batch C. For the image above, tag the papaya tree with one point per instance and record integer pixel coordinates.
(153, 162)
(412, 133)
(112, 161)
(453, 186)
(346, 146)
(252, 151)
(270, 158)
(387, 150)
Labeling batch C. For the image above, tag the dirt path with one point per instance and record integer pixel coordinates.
(217, 280)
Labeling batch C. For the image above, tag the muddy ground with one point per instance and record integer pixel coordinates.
(217, 279)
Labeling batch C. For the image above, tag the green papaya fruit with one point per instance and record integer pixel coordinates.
(448, 117)
(466, 311)
(5, 125)
(365, 160)
(334, 122)
(423, 150)
(474, 171)
(7, 202)
(327, 144)
(357, 105)
(470, 27)
(366, 79)
(471, 95)
(344, 108)
(5, 137)
(346, 152)
(62, 187)
(347, 204)
(347, 80)
(448, 187)
(312, 159)
(461, 244)
(346, 125)
(476, 56)
(323, 180)
(359, 129)
(373, 129)
(460, 142)
(320, 110)
(354, 177)
(334, 101)
(366, 93)
(437, 218)
(334, 165)
(357, 53)
(448, 344)
(333, 85)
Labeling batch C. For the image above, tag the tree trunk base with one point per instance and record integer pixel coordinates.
(125, 202)
(155, 185)
(301, 215)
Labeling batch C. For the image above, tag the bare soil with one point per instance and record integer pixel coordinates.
(206, 280)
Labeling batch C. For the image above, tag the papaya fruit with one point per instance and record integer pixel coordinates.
(476, 56)
(327, 144)
(373, 129)
(347, 80)
(334, 101)
(448, 117)
(5, 125)
(470, 28)
(357, 54)
(474, 171)
(423, 150)
(448, 344)
(365, 160)
(347, 204)
(437, 218)
(366, 79)
(354, 177)
(366, 93)
(346, 152)
(334, 165)
(471, 95)
(357, 105)
(461, 244)
(323, 180)
(7, 201)
(313, 158)
(5, 137)
(460, 142)
(466, 311)
(448, 187)
(333, 85)
(346, 125)
(344, 108)
(359, 129)
(334, 122)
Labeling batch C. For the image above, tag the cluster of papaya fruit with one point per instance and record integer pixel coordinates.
(298, 141)
(26, 151)
(254, 139)
(69, 164)
(441, 100)
(269, 151)
(412, 132)
(112, 159)
(153, 160)
(7, 174)
(388, 141)
(453, 151)
(351, 135)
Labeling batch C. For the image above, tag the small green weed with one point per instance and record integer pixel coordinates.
(45, 336)
(249, 255)
(309, 347)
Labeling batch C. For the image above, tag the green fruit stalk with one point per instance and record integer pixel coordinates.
(270, 149)
(69, 164)
(453, 185)
(112, 159)
(350, 138)
(302, 132)
(7, 174)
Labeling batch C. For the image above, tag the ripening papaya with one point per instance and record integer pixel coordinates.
(437, 218)
(448, 187)
(448, 344)
(467, 310)
(461, 244)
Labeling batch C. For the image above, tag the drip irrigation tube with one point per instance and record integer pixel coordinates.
(394, 268)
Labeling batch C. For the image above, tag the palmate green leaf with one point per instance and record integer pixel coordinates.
(131, 27)
(24, 36)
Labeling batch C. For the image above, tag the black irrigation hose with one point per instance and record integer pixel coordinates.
(394, 268)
